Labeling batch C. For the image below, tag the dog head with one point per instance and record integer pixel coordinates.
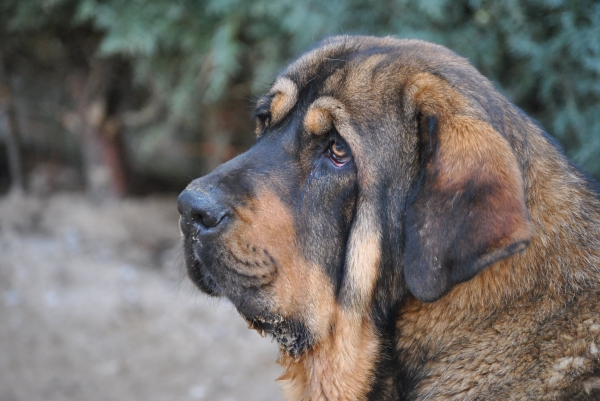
(380, 169)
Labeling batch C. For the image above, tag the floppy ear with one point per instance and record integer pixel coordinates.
(467, 209)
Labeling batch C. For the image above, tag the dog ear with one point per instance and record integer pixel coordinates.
(467, 209)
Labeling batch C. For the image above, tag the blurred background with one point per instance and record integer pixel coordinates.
(108, 108)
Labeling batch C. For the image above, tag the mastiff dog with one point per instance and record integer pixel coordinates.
(404, 233)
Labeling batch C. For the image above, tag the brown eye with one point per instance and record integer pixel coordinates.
(339, 153)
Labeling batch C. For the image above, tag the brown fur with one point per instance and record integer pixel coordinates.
(339, 367)
(519, 308)
(317, 120)
(471, 246)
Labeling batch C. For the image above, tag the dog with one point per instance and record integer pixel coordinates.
(404, 233)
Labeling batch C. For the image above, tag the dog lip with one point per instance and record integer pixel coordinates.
(207, 284)
(199, 274)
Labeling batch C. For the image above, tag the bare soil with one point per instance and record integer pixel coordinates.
(95, 305)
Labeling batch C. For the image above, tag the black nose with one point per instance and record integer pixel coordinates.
(200, 210)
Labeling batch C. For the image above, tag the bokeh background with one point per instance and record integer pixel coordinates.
(109, 107)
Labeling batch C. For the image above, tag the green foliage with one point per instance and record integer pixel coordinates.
(544, 54)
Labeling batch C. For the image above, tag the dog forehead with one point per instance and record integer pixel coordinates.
(359, 69)
(379, 56)
(335, 51)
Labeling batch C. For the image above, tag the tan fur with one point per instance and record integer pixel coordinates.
(256, 224)
(339, 367)
(363, 258)
(317, 120)
(472, 150)
(281, 99)
(435, 96)
(364, 244)
(496, 308)
(285, 95)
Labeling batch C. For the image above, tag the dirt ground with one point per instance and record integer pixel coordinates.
(95, 305)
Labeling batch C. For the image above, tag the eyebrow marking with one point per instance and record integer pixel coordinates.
(284, 97)
(318, 120)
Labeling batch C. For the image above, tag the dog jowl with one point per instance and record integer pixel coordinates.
(265, 231)
(403, 232)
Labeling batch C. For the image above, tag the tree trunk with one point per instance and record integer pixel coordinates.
(12, 134)
(99, 134)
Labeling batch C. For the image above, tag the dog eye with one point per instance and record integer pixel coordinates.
(264, 119)
(339, 153)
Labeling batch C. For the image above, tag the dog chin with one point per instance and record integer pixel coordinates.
(291, 336)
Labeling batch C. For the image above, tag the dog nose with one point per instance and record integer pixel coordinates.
(200, 210)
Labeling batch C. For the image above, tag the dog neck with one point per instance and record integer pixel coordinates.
(339, 367)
